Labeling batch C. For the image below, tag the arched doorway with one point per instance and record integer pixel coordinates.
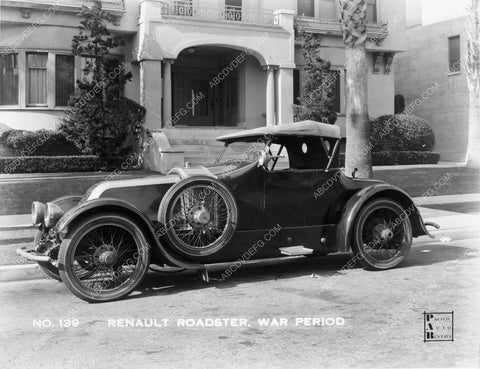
(213, 86)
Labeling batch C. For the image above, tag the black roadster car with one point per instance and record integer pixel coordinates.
(274, 192)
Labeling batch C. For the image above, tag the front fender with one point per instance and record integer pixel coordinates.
(67, 202)
(77, 213)
(355, 203)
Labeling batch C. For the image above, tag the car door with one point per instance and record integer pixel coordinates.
(289, 198)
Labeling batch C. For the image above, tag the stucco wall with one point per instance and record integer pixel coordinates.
(276, 48)
(271, 45)
(381, 91)
(55, 36)
(425, 64)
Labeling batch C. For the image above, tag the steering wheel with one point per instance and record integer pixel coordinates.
(266, 157)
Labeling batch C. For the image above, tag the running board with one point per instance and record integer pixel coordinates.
(295, 251)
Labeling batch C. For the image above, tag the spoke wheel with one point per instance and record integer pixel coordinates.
(199, 217)
(382, 234)
(104, 258)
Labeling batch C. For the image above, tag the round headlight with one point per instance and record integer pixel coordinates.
(38, 212)
(52, 214)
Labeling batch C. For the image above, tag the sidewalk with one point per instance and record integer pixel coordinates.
(5, 178)
(17, 231)
(448, 199)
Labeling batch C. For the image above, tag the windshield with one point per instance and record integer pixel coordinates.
(241, 153)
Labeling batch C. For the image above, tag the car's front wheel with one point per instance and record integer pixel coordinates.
(382, 235)
(104, 257)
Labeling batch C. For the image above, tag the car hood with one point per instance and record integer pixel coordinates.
(98, 189)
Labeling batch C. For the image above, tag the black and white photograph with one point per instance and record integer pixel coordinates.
(239, 184)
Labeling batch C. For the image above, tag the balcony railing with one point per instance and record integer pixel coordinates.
(375, 32)
(186, 9)
(111, 5)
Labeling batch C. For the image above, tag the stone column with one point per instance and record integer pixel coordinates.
(270, 109)
(167, 93)
(151, 92)
(284, 95)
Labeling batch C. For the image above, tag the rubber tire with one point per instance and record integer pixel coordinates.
(48, 268)
(166, 204)
(69, 244)
(357, 237)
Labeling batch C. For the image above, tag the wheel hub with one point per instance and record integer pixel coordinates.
(105, 255)
(200, 215)
(386, 234)
(382, 233)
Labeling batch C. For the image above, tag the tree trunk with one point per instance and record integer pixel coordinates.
(358, 152)
(473, 77)
(473, 153)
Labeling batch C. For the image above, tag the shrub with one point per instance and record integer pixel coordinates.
(318, 99)
(98, 121)
(400, 157)
(56, 164)
(38, 143)
(107, 132)
(401, 132)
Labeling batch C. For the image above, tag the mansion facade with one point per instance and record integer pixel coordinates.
(197, 65)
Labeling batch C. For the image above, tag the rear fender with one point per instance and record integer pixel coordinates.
(78, 213)
(353, 206)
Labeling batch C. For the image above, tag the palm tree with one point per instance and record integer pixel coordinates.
(473, 75)
(354, 27)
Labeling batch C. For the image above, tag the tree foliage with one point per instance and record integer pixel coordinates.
(353, 21)
(98, 120)
(318, 99)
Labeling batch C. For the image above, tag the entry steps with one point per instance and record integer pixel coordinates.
(202, 148)
(295, 251)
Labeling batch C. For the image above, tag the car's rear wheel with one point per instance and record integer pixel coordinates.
(47, 267)
(104, 257)
(199, 217)
(382, 235)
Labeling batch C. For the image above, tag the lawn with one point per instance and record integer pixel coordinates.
(442, 181)
(17, 197)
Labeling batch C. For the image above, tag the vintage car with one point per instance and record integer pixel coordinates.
(282, 181)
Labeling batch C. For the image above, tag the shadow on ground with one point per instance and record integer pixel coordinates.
(321, 267)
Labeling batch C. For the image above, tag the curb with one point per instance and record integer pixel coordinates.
(17, 221)
(16, 227)
(26, 272)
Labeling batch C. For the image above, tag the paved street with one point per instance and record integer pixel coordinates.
(381, 312)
